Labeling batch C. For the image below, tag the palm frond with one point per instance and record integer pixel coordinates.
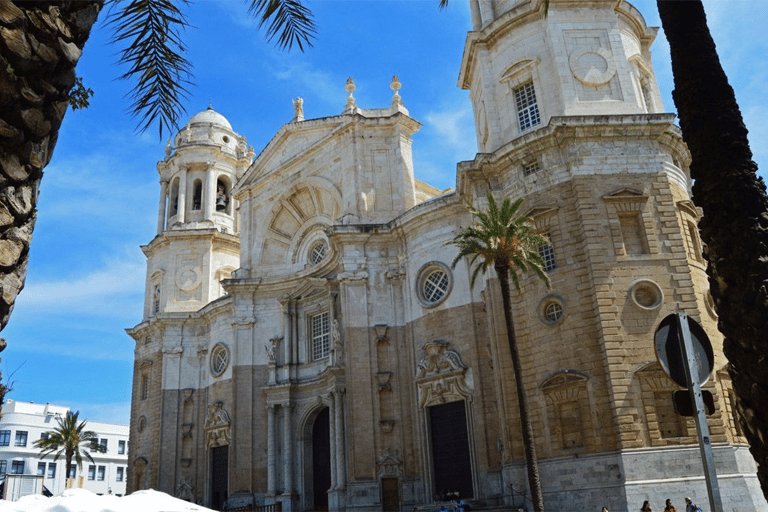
(288, 20)
(153, 52)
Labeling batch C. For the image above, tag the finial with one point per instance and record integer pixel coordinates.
(210, 103)
(350, 88)
(395, 86)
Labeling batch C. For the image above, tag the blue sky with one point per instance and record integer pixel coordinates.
(99, 197)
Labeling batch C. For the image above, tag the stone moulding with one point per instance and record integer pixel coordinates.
(441, 375)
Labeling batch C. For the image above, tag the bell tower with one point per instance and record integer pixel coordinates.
(526, 62)
(197, 243)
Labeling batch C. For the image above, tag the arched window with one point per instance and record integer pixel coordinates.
(222, 196)
(197, 195)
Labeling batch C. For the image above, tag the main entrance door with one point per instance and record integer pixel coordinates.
(450, 449)
(219, 481)
(321, 459)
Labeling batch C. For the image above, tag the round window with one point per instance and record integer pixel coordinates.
(552, 309)
(435, 282)
(317, 253)
(646, 294)
(219, 359)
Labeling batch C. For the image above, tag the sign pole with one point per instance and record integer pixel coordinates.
(702, 428)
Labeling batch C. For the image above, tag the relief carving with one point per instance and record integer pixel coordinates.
(217, 425)
(441, 375)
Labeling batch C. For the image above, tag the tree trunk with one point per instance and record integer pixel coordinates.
(534, 480)
(68, 456)
(735, 221)
(40, 44)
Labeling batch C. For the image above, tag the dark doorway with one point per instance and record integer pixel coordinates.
(450, 449)
(390, 495)
(219, 481)
(321, 459)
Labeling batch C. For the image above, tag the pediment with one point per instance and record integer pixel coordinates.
(517, 69)
(688, 207)
(308, 288)
(293, 144)
(627, 195)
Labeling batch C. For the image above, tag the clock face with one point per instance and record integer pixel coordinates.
(188, 278)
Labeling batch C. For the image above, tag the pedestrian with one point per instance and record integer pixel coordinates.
(646, 507)
(690, 506)
(669, 507)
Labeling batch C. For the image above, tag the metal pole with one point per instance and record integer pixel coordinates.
(702, 428)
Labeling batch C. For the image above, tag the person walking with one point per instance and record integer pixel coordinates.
(669, 506)
(646, 507)
(690, 506)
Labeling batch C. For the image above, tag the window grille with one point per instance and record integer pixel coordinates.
(321, 335)
(527, 108)
(547, 253)
(317, 254)
(435, 286)
(531, 168)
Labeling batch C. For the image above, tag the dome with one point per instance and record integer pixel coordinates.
(210, 116)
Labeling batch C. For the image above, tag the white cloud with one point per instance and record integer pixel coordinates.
(454, 129)
(115, 412)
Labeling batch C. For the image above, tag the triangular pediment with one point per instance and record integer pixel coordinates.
(293, 144)
(308, 287)
(626, 195)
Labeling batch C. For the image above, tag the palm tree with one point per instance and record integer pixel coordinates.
(69, 439)
(40, 44)
(509, 243)
(735, 206)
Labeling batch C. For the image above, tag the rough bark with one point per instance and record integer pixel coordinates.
(735, 222)
(532, 462)
(40, 43)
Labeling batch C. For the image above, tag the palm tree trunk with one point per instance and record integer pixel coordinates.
(534, 480)
(735, 206)
(40, 44)
(68, 456)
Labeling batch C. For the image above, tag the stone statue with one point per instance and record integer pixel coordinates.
(298, 108)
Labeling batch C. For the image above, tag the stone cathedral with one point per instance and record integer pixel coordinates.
(306, 341)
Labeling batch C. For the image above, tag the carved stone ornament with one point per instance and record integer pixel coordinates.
(390, 465)
(184, 489)
(217, 425)
(441, 375)
(271, 348)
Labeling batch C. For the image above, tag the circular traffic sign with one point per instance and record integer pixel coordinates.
(670, 356)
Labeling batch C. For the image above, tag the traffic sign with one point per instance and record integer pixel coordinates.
(670, 355)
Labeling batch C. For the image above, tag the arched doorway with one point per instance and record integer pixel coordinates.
(321, 459)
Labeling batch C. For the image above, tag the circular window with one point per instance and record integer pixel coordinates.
(142, 424)
(225, 139)
(219, 359)
(317, 253)
(551, 309)
(435, 283)
(646, 295)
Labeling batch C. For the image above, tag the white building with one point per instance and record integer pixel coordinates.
(23, 423)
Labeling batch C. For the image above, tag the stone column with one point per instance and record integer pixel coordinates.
(332, 440)
(209, 193)
(161, 208)
(477, 19)
(341, 466)
(182, 210)
(271, 462)
(287, 449)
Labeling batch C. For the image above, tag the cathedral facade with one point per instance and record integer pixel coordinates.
(306, 340)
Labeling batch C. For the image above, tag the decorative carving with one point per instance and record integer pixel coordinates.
(383, 378)
(395, 274)
(387, 426)
(395, 86)
(390, 464)
(217, 425)
(441, 375)
(338, 345)
(350, 107)
(381, 333)
(184, 489)
(271, 348)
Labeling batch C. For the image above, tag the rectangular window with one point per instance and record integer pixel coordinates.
(40, 468)
(52, 471)
(119, 476)
(17, 467)
(121, 447)
(5, 437)
(3, 467)
(144, 387)
(44, 435)
(531, 168)
(632, 233)
(320, 332)
(527, 109)
(547, 253)
(103, 444)
(21, 438)
(91, 472)
(101, 473)
(73, 471)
